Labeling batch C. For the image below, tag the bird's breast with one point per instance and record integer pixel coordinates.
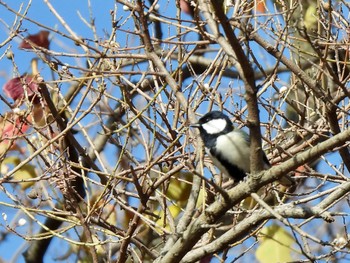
(235, 149)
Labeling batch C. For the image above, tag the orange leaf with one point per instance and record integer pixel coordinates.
(260, 6)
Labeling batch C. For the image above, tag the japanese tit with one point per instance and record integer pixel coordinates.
(228, 147)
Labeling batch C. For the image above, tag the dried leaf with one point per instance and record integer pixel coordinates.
(186, 7)
(40, 39)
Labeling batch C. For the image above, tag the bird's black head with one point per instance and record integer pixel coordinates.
(213, 124)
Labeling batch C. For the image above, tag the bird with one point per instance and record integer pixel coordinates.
(228, 146)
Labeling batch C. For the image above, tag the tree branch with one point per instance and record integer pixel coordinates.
(215, 211)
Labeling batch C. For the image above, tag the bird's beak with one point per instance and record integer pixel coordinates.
(195, 125)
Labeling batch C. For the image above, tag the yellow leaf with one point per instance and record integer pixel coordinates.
(25, 173)
(180, 186)
(99, 248)
(310, 19)
(202, 196)
(174, 212)
(11, 160)
(275, 245)
(111, 214)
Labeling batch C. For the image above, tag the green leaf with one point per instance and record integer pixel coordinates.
(275, 245)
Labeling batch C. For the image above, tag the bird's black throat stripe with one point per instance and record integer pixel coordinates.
(236, 173)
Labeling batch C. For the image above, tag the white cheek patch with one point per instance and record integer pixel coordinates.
(214, 126)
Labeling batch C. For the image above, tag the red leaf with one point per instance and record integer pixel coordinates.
(13, 128)
(186, 7)
(300, 170)
(41, 39)
(16, 88)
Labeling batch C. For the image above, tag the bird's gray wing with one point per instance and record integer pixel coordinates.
(247, 139)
